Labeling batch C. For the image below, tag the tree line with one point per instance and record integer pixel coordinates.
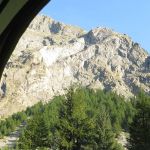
(81, 119)
(86, 119)
(9, 124)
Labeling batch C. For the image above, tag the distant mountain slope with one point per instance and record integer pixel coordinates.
(51, 56)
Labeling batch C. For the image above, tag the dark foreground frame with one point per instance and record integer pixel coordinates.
(12, 33)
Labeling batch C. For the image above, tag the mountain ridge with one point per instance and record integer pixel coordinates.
(51, 56)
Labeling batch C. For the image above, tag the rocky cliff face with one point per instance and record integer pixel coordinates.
(51, 56)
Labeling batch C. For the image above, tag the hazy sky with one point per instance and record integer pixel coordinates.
(131, 17)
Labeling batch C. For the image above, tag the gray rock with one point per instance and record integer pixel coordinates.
(51, 56)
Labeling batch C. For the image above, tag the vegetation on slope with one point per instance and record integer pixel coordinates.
(83, 119)
(9, 124)
(140, 127)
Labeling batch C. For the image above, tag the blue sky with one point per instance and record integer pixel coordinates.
(131, 17)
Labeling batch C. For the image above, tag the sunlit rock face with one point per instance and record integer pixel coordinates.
(51, 56)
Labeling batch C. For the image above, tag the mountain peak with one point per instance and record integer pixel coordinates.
(45, 24)
(51, 56)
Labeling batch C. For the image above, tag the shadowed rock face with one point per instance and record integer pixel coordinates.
(51, 56)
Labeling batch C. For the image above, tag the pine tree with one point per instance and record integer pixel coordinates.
(105, 138)
(75, 127)
(42, 133)
(36, 134)
(27, 138)
(140, 127)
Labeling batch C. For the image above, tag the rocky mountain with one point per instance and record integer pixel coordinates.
(51, 56)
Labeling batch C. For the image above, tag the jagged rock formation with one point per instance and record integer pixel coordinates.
(51, 56)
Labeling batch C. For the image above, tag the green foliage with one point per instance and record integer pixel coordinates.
(105, 138)
(9, 124)
(75, 128)
(140, 127)
(81, 119)
(35, 135)
(119, 111)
